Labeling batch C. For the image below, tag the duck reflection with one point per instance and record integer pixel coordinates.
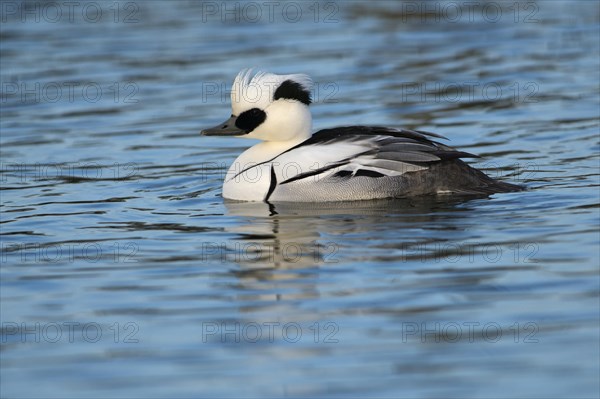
(303, 235)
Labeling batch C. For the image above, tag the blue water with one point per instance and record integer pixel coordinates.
(124, 273)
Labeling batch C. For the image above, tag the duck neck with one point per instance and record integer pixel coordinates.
(268, 150)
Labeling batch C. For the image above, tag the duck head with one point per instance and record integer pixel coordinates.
(268, 107)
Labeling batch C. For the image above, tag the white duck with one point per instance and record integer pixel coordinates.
(338, 164)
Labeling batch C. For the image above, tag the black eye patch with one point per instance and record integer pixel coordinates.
(250, 120)
(293, 91)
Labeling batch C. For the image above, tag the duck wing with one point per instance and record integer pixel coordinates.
(373, 151)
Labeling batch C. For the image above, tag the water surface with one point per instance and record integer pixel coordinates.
(125, 273)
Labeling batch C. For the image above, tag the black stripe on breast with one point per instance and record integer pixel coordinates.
(273, 183)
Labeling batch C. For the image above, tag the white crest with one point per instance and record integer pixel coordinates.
(257, 91)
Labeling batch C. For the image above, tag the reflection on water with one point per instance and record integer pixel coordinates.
(124, 271)
(291, 234)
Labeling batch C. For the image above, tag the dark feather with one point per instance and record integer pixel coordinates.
(401, 145)
(315, 172)
(407, 156)
(355, 132)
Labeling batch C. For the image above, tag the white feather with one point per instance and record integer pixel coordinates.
(257, 91)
